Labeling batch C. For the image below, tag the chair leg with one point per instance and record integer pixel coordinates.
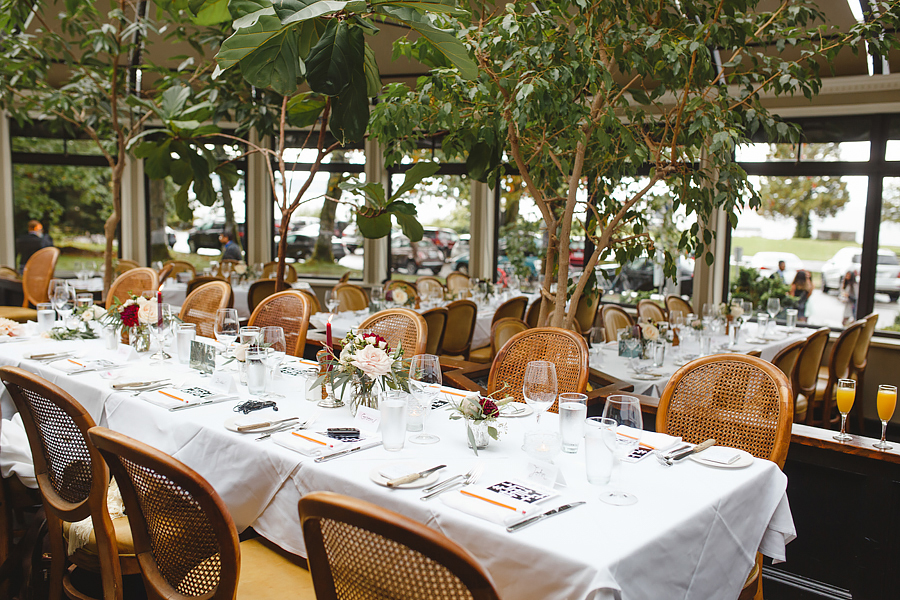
(57, 558)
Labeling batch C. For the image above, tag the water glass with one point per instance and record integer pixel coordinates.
(250, 336)
(46, 317)
(598, 457)
(83, 300)
(256, 371)
(110, 336)
(184, 335)
(658, 350)
(393, 408)
(790, 318)
(705, 344)
(572, 412)
(762, 323)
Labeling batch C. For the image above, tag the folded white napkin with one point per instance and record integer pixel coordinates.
(720, 454)
(71, 365)
(308, 443)
(261, 416)
(172, 397)
(483, 509)
(15, 452)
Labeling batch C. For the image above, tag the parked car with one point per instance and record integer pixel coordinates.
(207, 235)
(887, 275)
(634, 276)
(576, 253)
(767, 264)
(444, 239)
(413, 257)
(461, 247)
(351, 238)
(300, 244)
(461, 262)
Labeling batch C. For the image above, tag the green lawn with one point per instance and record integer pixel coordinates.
(804, 249)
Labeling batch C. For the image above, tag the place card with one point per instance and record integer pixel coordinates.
(224, 382)
(127, 352)
(367, 419)
(544, 474)
(203, 357)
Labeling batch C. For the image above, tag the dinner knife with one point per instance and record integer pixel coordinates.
(346, 452)
(673, 458)
(204, 403)
(256, 426)
(413, 476)
(137, 384)
(544, 515)
(50, 356)
(93, 369)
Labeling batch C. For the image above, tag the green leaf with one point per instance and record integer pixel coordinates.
(374, 228)
(483, 158)
(409, 224)
(373, 192)
(210, 12)
(182, 207)
(471, 437)
(373, 76)
(304, 109)
(246, 41)
(440, 6)
(275, 65)
(443, 41)
(312, 10)
(350, 111)
(247, 12)
(415, 175)
(334, 59)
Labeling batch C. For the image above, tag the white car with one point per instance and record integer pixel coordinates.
(767, 264)
(887, 277)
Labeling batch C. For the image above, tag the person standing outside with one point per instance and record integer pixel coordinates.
(31, 242)
(849, 294)
(801, 289)
(231, 251)
(780, 272)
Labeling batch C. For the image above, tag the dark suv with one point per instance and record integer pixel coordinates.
(424, 256)
(207, 235)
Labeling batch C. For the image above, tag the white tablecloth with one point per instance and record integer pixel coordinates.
(693, 533)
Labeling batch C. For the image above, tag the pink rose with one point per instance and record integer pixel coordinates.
(372, 361)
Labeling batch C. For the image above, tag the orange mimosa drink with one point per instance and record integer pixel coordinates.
(845, 397)
(887, 402)
(845, 393)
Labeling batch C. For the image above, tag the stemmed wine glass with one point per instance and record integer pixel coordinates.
(162, 329)
(332, 301)
(227, 326)
(539, 386)
(626, 412)
(425, 384)
(887, 402)
(62, 295)
(845, 395)
(272, 340)
(773, 307)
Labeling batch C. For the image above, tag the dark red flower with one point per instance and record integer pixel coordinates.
(378, 340)
(130, 315)
(489, 408)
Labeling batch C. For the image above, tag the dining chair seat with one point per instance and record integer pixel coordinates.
(18, 314)
(124, 541)
(481, 355)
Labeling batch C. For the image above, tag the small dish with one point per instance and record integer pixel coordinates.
(647, 376)
(514, 410)
(405, 468)
(745, 460)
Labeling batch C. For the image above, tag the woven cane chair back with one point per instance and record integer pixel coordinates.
(400, 326)
(289, 310)
(838, 368)
(503, 330)
(180, 266)
(740, 401)
(648, 310)
(350, 297)
(201, 305)
(807, 369)
(861, 352)
(614, 319)
(458, 282)
(678, 304)
(360, 551)
(786, 360)
(270, 271)
(133, 281)
(314, 305)
(37, 275)
(408, 288)
(565, 349)
(586, 312)
(123, 265)
(259, 291)
(184, 537)
(513, 308)
(431, 286)
(461, 315)
(436, 320)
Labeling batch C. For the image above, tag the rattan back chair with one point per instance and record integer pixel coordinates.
(512, 308)
(270, 271)
(185, 539)
(838, 368)
(350, 297)
(196, 282)
(133, 281)
(503, 330)
(358, 550)
(648, 310)
(164, 273)
(740, 401)
(289, 310)
(586, 311)
(786, 360)
(400, 326)
(458, 282)
(226, 266)
(461, 316)
(259, 291)
(859, 361)
(534, 313)
(314, 305)
(436, 320)
(37, 275)
(201, 305)
(565, 349)
(430, 286)
(73, 481)
(345, 277)
(123, 265)
(614, 318)
(678, 304)
(180, 266)
(9, 273)
(806, 372)
(408, 288)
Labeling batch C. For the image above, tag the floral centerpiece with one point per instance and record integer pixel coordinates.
(399, 297)
(366, 360)
(481, 414)
(136, 315)
(9, 328)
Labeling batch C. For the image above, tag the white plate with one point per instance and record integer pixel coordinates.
(647, 376)
(230, 424)
(514, 410)
(414, 467)
(745, 460)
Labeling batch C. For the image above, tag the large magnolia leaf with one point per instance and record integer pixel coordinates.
(415, 175)
(209, 12)
(373, 76)
(311, 10)
(409, 224)
(275, 65)
(247, 12)
(245, 41)
(350, 111)
(303, 110)
(443, 41)
(375, 227)
(334, 59)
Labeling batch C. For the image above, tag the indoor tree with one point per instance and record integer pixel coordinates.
(582, 95)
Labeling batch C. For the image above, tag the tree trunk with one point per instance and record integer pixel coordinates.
(159, 242)
(323, 251)
(280, 285)
(109, 228)
(804, 226)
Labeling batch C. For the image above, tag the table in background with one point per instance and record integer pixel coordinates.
(174, 293)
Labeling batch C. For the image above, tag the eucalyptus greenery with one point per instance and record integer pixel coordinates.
(583, 97)
(72, 333)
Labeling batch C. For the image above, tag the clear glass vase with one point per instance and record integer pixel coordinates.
(363, 394)
(480, 433)
(139, 338)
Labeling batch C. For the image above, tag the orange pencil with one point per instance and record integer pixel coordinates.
(309, 439)
(455, 393)
(75, 362)
(491, 501)
(171, 396)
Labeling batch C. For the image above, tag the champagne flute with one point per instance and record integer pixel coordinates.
(62, 295)
(626, 412)
(272, 340)
(162, 329)
(227, 326)
(539, 386)
(332, 301)
(846, 393)
(773, 307)
(425, 384)
(887, 402)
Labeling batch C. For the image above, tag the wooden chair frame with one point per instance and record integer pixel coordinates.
(434, 335)
(414, 334)
(351, 293)
(261, 317)
(133, 281)
(648, 309)
(606, 313)
(37, 274)
(453, 307)
(457, 281)
(260, 290)
(819, 339)
(678, 304)
(270, 271)
(835, 371)
(202, 295)
(859, 361)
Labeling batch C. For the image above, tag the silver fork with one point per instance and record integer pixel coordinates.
(288, 426)
(458, 481)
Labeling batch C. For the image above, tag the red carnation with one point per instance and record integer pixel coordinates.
(130, 315)
(489, 408)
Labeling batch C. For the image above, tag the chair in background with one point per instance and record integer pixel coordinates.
(503, 330)
(259, 291)
(511, 309)
(436, 320)
(533, 313)
(458, 338)
(185, 540)
(430, 286)
(614, 318)
(180, 266)
(123, 265)
(586, 311)
(8, 273)
(648, 310)
(458, 282)
(360, 550)
(678, 304)
(314, 305)
(133, 281)
(164, 273)
(400, 326)
(838, 368)
(270, 270)
(201, 305)
(408, 288)
(35, 283)
(345, 277)
(806, 372)
(566, 349)
(350, 297)
(227, 266)
(859, 361)
(196, 282)
(73, 481)
(786, 361)
(289, 310)
(740, 401)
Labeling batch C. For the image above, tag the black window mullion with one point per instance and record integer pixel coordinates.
(869, 259)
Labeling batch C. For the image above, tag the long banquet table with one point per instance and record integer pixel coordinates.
(693, 533)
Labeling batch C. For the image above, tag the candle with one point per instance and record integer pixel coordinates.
(159, 315)
(329, 343)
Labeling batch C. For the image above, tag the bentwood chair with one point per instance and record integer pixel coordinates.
(164, 273)
(360, 550)
(586, 311)
(345, 277)
(859, 361)
(184, 538)
(458, 282)
(462, 315)
(123, 265)
(196, 282)
(289, 310)
(503, 330)
(436, 320)
(614, 318)
(201, 305)
(314, 305)
(259, 291)
(534, 313)
(270, 271)
(35, 283)
(400, 326)
(648, 310)
(806, 372)
(430, 286)
(566, 349)
(678, 304)
(9, 273)
(786, 360)
(740, 401)
(350, 297)
(180, 266)
(838, 368)
(511, 309)
(133, 281)
(412, 293)
(73, 481)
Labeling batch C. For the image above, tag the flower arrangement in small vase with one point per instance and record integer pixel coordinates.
(399, 297)
(9, 328)
(136, 315)
(481, 414)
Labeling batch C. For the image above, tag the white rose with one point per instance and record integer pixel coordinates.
(147, 314)
(9, 327)
(737, 311)
(650, 332)
(372, 361)
(240, 352)
(240, 268)
(346, 355)
(87, 315)
(470, 405)
(400, 297)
